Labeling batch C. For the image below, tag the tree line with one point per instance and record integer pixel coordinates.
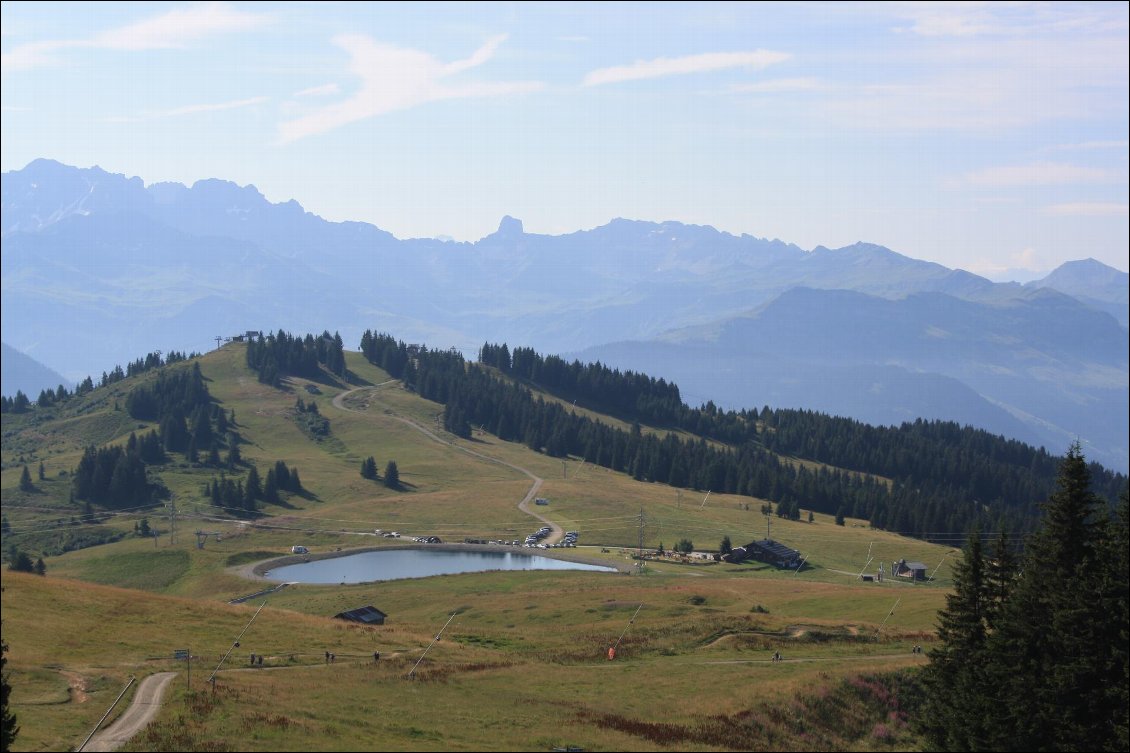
(237, 495)
(116, 477)
(276, 354)
(924, 478)
(20, 403)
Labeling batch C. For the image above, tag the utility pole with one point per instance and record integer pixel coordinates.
(429, 648)
(768, 521)
(876, 637)
(564, 473)
(641, 519)
(172, 521)
(218, 339)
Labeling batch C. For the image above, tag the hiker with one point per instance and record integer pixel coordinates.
(259, 660)
(376, 656)
(327, 657)
(253, 660)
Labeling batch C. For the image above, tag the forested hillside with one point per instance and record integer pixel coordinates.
(926, 478)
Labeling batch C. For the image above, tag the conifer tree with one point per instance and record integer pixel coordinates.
(25, 481)
(254, 488)
(1055, 635)
(952, 714)
(8, 727)
(1037, 660)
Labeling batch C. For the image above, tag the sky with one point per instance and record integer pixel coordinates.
(991, 137)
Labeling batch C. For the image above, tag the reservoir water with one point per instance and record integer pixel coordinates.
(416, 563)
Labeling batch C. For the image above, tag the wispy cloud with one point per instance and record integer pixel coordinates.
(395, 78)
(971, 19)
(1089, 209)
(175, 29)
(947, 19)
(1114, 144)
(188, 110)
(707, 61)
(319, 91)
(778, 85)
(179, 27)
(1039, 174)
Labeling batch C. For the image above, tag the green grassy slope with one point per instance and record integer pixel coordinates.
(522, 665)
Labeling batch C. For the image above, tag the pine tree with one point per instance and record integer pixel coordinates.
(271, 488)
(1060, 642)
(254, 488)
(392, 475)
(952, 714)
(25, 481)
(8, 727)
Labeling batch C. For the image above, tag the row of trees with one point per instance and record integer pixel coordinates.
(1033, 653)
(174, 392)
(278, 354)
(392, 473)
(594, 385)
(116, 477)
(49, 397)
(234, 494)
(20, 561)
(950, 479)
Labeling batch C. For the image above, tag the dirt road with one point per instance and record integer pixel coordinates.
(146, 703)
(556, 531)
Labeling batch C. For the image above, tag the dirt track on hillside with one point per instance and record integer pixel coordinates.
(145, 705)
(556, 531)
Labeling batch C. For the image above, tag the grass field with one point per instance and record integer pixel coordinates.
(523, 663)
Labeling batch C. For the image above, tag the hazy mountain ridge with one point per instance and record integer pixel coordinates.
(23, 373)
(1018, 367)
(98, 267)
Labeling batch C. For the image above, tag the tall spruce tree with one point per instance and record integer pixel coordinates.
(1056, 664)
(951, 717)
(25, 481)
(8, 727)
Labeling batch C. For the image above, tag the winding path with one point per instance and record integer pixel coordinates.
(145, 705)
(556, 531)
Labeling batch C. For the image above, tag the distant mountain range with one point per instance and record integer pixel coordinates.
(98, 269)
(21, 373)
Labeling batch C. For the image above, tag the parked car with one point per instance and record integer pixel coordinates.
(299, 550)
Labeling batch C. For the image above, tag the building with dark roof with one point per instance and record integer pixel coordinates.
(766, 550)
(911, 570)
(367, 615)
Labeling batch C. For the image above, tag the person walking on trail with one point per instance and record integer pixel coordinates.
(327, 657)
(376, 656)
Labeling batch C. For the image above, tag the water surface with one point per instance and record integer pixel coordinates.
(416, 563)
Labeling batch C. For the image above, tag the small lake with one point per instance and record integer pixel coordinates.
(416, 563)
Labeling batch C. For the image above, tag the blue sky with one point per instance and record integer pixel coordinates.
(991, 137)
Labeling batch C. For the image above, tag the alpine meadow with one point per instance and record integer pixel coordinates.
(791, 415)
